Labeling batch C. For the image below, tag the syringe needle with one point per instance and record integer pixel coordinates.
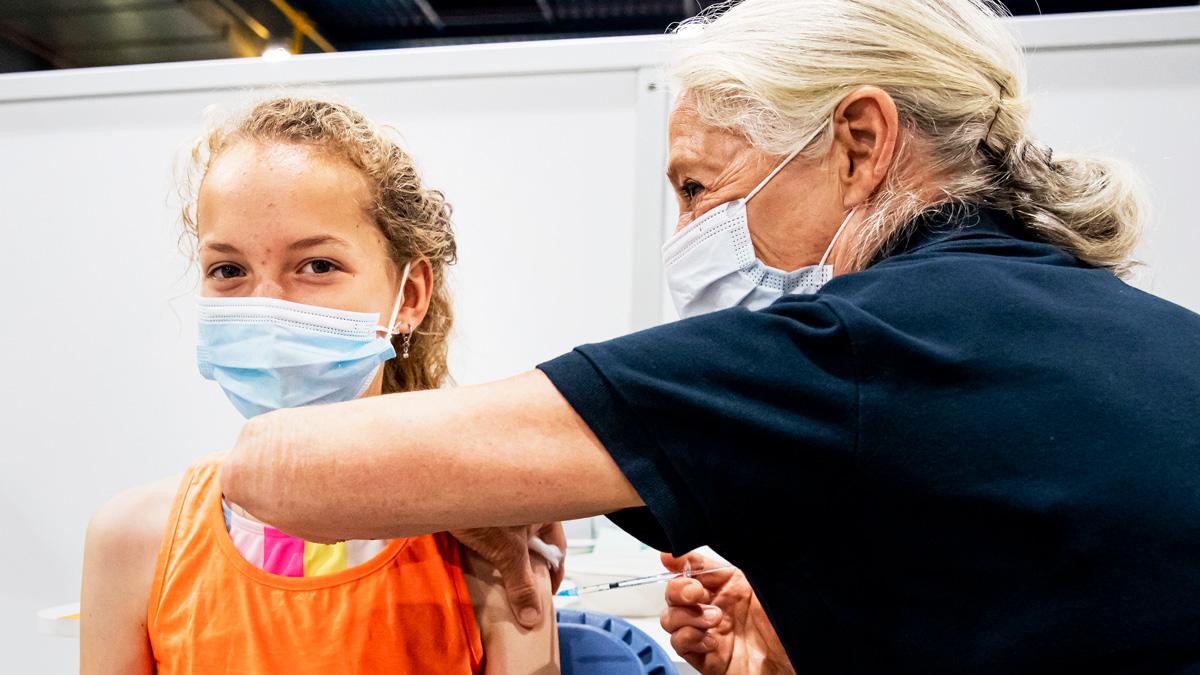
(640, 581)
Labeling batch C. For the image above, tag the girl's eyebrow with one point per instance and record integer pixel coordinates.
(307, 242)
(310, 242)
(219, 247)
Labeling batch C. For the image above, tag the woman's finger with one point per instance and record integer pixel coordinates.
(691, 641)
(687, 592)
(698, 616)
(507, 549)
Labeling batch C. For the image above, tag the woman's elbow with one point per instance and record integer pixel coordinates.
(241, 484)
(244, 474)
(261, 476)
(231, 476)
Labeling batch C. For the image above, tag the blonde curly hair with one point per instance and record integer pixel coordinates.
(414, 219)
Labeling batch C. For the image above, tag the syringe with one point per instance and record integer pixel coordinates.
(637, 581)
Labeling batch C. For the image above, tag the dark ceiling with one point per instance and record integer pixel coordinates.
(39, 34)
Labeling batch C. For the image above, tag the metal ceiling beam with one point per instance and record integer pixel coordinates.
(303, 25)
(252, 29)
(247, 36)
(430, 13)
(246, 19)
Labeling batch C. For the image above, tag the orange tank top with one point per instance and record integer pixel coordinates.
(406, 610)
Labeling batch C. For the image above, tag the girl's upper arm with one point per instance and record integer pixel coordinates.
(508, 647)
(119, 555)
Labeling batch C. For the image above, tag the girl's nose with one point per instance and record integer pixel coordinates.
(268, 288)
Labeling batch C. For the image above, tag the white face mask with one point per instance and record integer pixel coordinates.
(711, 264)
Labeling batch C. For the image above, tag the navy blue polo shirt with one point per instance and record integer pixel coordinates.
(979, 455)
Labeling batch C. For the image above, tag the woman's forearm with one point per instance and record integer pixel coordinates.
(504, 453)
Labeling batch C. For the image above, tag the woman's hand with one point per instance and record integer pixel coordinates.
(716, 623)
(507, 549)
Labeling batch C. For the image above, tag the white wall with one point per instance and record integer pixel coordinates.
(552, 154)
(1127, 84)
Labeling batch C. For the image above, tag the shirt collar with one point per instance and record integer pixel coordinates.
(951, 221)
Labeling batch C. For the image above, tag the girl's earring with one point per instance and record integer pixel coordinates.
(407, 339)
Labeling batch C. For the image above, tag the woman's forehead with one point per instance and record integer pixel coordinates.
(695, 145)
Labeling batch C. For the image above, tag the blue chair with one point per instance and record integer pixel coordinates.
(593, 643)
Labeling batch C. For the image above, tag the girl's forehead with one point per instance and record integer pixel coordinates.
(283, 168)
(277, 194)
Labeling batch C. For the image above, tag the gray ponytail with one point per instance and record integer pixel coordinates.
(1092, 207)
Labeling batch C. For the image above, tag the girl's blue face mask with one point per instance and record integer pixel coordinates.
(268, 354)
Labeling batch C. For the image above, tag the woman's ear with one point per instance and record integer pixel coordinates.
(865, 128)
(417, 292)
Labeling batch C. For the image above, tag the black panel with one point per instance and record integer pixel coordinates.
(384, 23)
(35, 33)
(1022, 7)
(13, 59)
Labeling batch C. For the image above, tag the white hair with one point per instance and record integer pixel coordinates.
(776, 70)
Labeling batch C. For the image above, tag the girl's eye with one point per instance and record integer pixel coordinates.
(226, 271)
(319, 267)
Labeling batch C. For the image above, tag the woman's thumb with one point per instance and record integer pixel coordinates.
(521, 587)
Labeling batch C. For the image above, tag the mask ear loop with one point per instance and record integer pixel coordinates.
(835, 237)
(390, 329)
(785, 162)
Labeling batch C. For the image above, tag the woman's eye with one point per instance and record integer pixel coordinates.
(319, 267)
(226, 272)
(690, 189)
